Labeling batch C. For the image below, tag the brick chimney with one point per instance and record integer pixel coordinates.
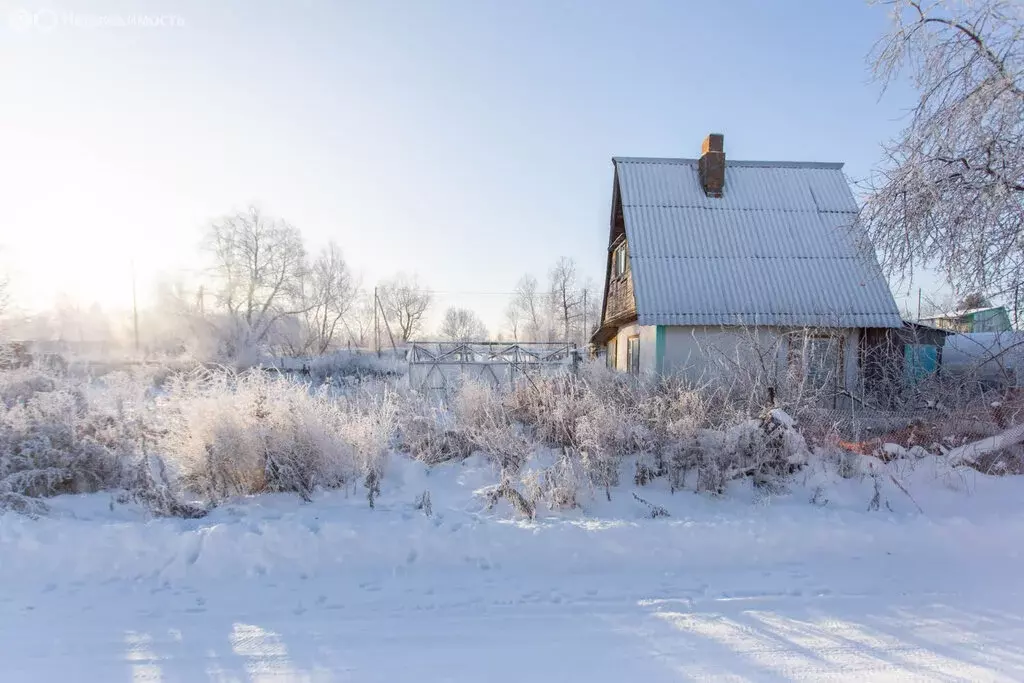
(711, 165)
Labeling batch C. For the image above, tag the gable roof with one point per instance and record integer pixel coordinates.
(778, 248)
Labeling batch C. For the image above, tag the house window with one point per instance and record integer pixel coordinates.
(816, 365)
(822, 358)
(620, 260)
(613, 350)
(633, 355)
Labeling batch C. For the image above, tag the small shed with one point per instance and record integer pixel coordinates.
(895, 358)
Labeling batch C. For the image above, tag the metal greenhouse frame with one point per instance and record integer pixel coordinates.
(437, 365)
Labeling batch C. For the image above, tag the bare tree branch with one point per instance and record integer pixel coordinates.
(462, 325)
(950, 192)
(405, 302)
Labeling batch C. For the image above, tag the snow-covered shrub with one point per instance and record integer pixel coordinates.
(236, 434)
(366, 430)
(551, 407)
(557, 486)
(427, 432)
(673, 413)
(488, 423)
(211, 434)
(507, 490)
(21, 384)
(53, 440)
(604, 435)
(602, 417)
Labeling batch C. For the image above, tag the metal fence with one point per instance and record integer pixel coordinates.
(439, 365)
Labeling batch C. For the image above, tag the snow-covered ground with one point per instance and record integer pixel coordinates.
(749, 587)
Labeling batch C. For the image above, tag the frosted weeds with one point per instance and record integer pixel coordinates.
(182, 442)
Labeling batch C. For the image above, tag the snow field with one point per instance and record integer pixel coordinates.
(748, 587)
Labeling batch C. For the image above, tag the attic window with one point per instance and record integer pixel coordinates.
(620, 260)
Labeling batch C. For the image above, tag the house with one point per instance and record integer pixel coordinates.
(708, 257)
(987, 319)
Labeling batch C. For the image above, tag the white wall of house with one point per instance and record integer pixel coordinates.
(621, 346)
(702, 353)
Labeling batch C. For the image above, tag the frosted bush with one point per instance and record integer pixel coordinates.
(557, 486)
(53, 442)
(155, 436)
(229, 435)
(426, 431)
(21, 384)
(366, 433)
(604, 435)
(488, 423)
(209, 435)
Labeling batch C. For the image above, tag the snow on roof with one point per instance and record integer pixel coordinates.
(778, 248)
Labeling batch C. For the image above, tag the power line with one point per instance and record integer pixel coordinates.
(466, 291)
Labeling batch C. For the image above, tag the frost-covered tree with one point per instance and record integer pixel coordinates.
(259, 266)
(405, 303)
(359, 322)
(566, 297)
(973, 300)
(330, 293)
(462, 325)
(950, 192)
(567, 311)
(591, 295)
(525, 312)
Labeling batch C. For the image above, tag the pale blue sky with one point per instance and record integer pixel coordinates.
(466, 140)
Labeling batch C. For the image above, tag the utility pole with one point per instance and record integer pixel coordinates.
(135, 310)
(918, 304)
(387, 326)
(376, 322)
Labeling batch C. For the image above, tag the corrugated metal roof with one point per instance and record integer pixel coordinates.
(780, 247)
